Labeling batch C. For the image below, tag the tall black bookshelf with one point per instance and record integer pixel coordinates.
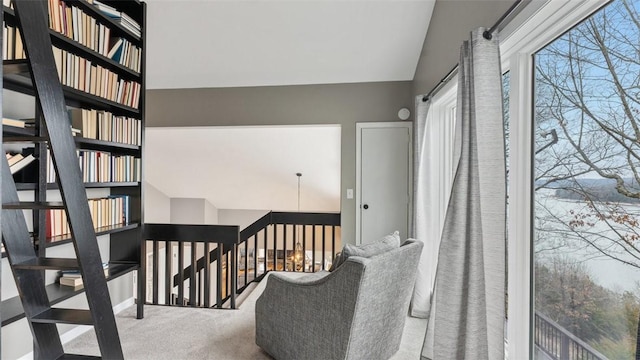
(50, 139)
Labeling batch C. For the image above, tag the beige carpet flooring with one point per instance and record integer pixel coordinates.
(175, 333)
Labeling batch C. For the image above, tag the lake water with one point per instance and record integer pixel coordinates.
(607, 272)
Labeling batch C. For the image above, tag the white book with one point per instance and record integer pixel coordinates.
(22, 163)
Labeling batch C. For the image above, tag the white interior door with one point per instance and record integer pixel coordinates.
(383, 178)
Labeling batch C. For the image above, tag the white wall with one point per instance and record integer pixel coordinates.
(157, 205)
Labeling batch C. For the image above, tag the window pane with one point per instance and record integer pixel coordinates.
(586, 215)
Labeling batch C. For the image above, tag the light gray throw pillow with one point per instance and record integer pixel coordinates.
(389, 242)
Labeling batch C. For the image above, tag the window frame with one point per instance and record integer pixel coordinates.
(536, 26)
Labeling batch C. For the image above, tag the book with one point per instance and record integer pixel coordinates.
(115, 48)
(22, 163)
(75, 282)
(107, 10)
(13, 122)
(14, 159)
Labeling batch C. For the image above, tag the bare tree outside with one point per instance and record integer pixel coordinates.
(587, 179)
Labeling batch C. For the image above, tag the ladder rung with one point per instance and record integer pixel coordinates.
(48, 263)
(34, 205)
(77, 357)
(64, 316)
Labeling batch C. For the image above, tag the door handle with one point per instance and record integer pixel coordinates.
(365, 206)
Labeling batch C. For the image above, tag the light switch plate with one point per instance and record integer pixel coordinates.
(349, 193)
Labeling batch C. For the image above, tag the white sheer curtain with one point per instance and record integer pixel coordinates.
(467, 315)
(433, 175)
(422, 199)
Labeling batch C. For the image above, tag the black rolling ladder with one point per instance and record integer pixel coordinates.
(27, 267)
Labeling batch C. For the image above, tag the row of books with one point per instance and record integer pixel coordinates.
(99, 166)
(18, 161)
(120, 17)
(103, 125)
(12, 48)
(73, 278)
(75, 24)
(79, 73)
(108, 211)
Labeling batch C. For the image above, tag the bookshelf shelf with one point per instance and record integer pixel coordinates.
(16, 77)
(66, 239)
(63, 42)
(17, 131)
(100, 16)
(12, 309)
(94, 144)
(54, 186)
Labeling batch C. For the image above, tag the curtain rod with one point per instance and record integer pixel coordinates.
(487, 34)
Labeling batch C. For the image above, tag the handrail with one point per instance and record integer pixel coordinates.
(305, 218)
(560, 343)
(256, 226)
(225, 234)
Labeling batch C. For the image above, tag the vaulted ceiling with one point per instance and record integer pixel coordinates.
(196, 43)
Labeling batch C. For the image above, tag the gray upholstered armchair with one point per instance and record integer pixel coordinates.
(357, 311)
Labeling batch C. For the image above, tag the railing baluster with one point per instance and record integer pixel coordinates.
(333, 243)
(199, 288)
(324, 241)
(219, 276)
(168, 267)
(180, 273)
(284, 260)
(156, 251)
(255, 257)
(192, 277)
(234, 275)
(313, 253)
(304, 248)
(275, 247)
(264, 255)
(246, 262)
(207, 274)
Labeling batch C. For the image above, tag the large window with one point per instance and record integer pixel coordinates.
(586, 198)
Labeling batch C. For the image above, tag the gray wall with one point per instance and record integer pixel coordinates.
(343, 104)
(210, 213)
(192, 211)
(242, 218)
(187, 211)
(450, 25)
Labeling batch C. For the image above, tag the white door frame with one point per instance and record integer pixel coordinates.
(374, 125)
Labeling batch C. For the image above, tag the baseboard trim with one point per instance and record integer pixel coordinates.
(81, 329)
